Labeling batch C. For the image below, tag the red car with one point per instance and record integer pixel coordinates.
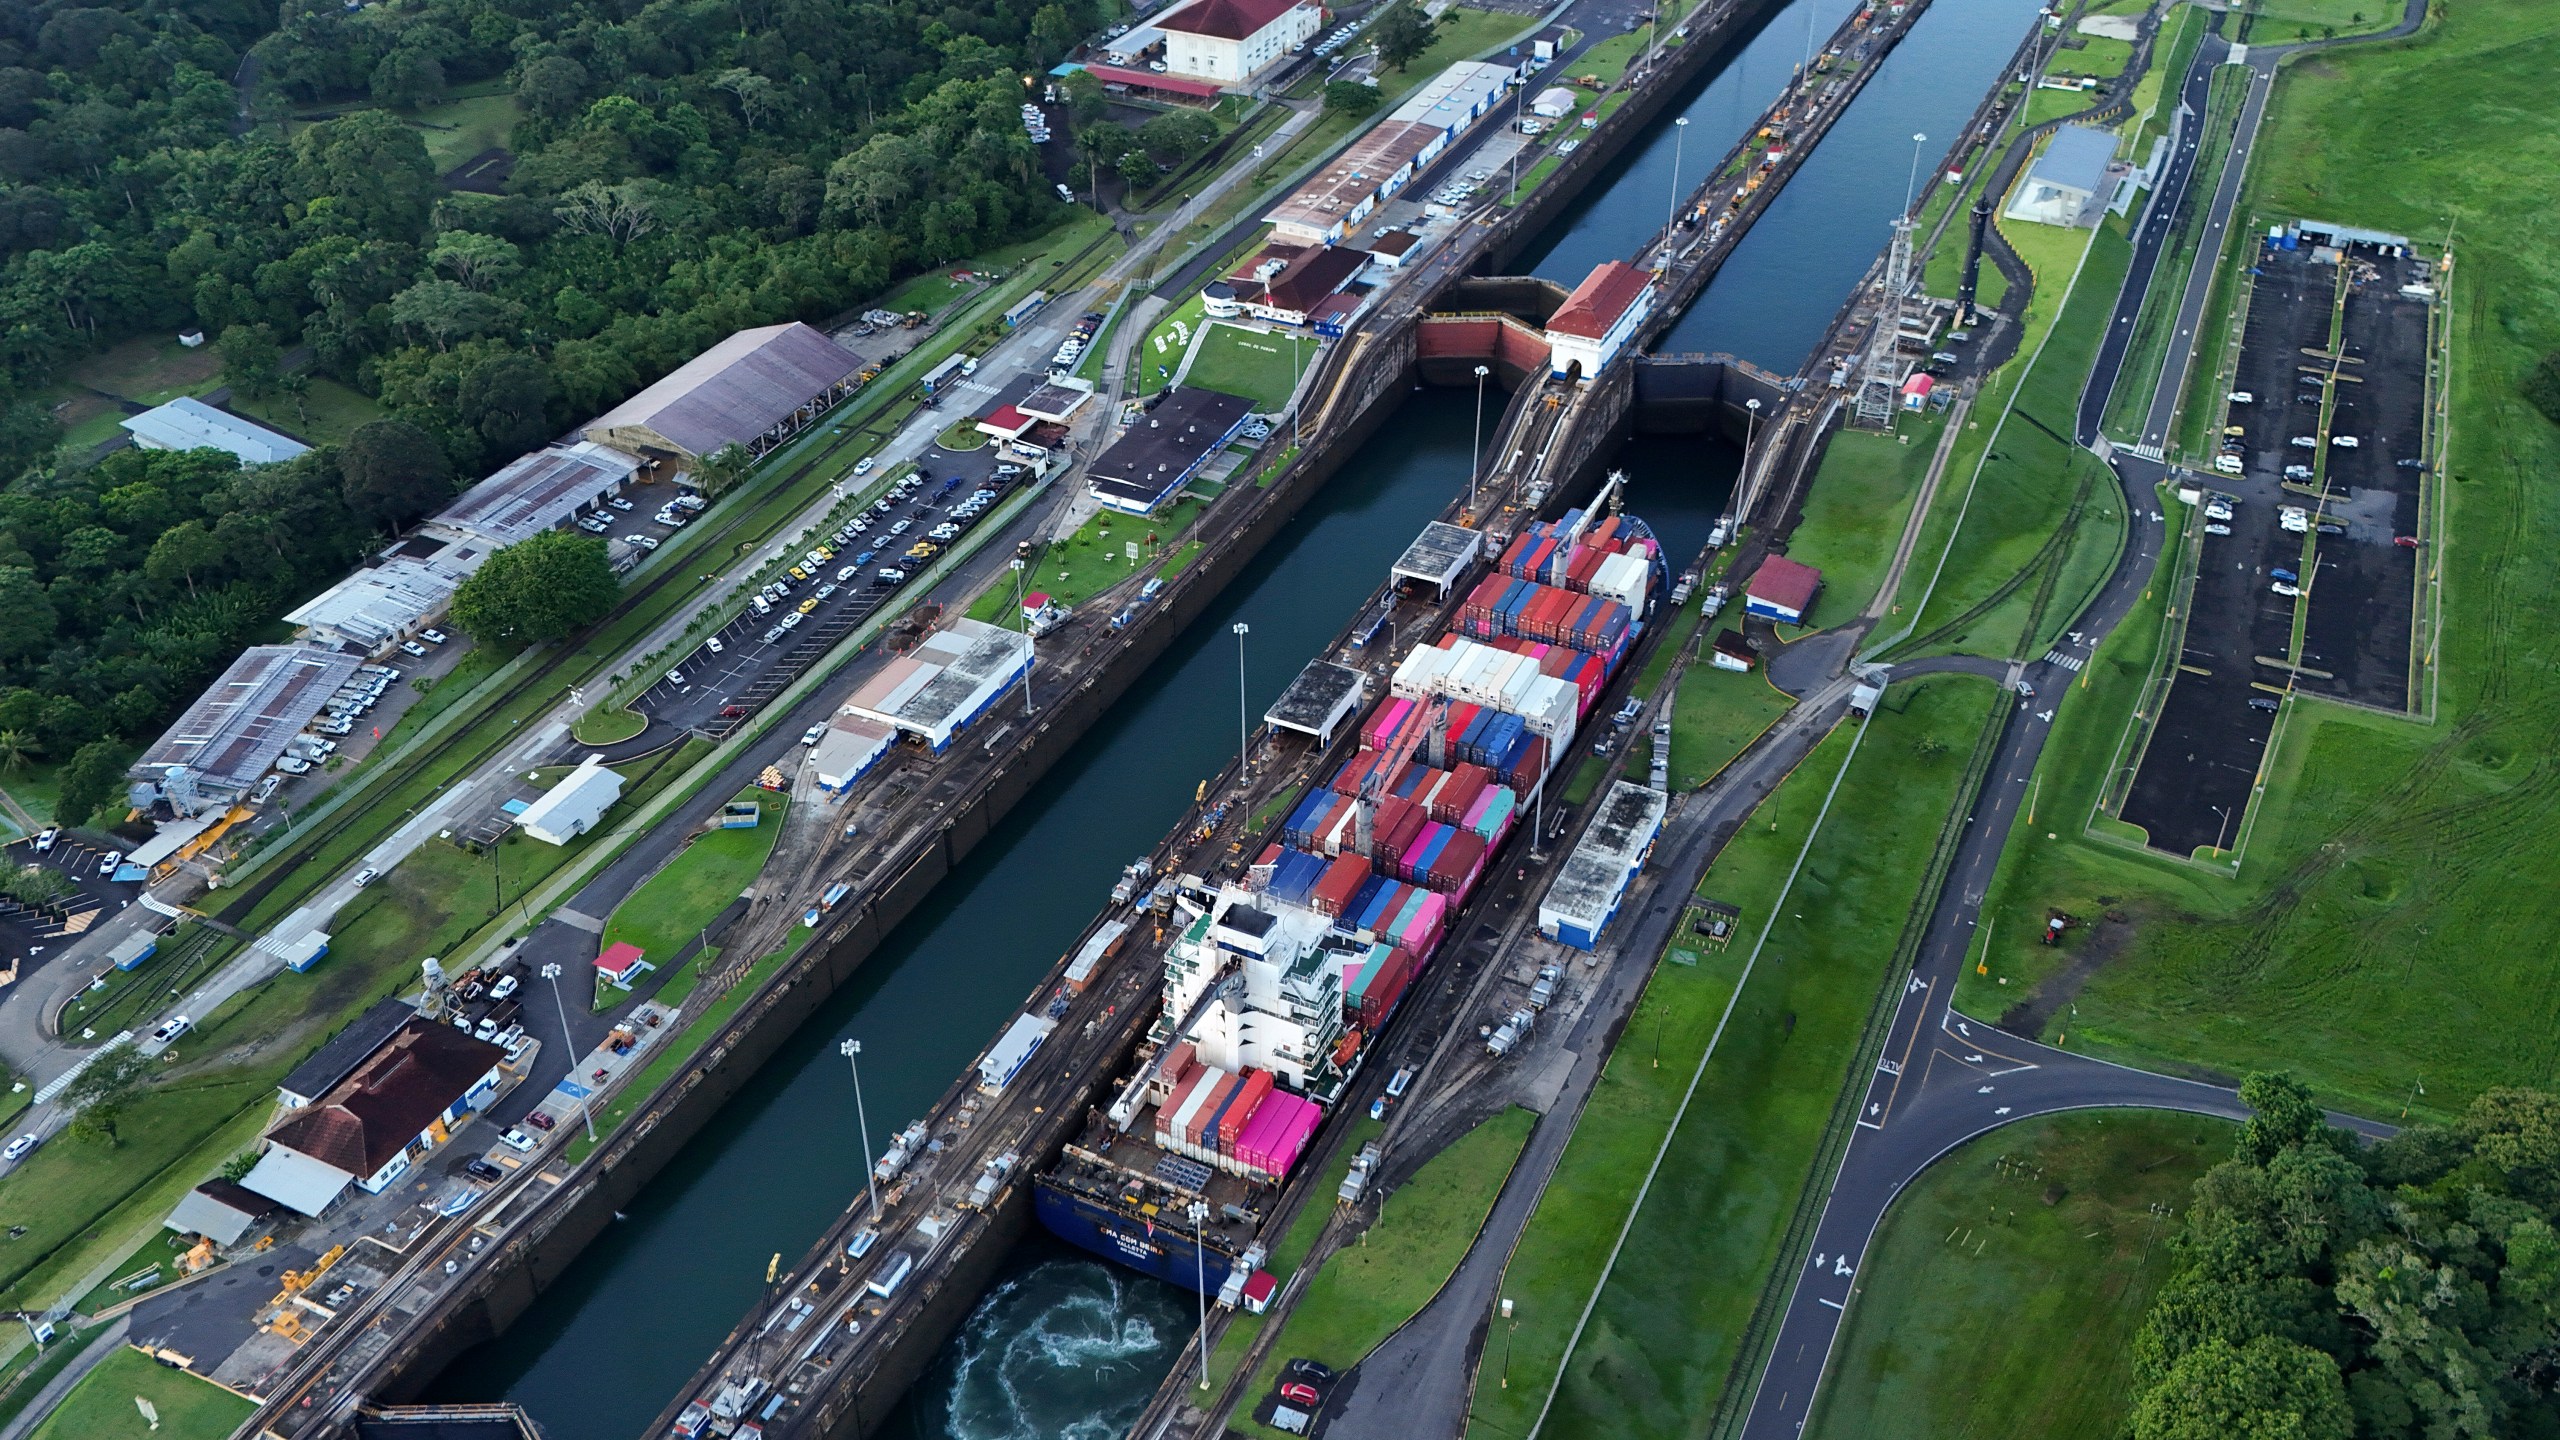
(538, 1120)
(2405, 542)
(732, 712)
(1297, 1394)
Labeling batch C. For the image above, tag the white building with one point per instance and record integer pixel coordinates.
(572, 807)
(187, 423)
(1276, 971)
(1231, 41)
(1598, 319)
(1588, 890)
(935, 690)
(2068, 184)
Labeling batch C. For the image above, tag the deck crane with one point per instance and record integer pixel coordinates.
(1431, 719)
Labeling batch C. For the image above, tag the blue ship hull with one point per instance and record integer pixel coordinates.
(1167, 1254)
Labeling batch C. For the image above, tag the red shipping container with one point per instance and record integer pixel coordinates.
(1517, 553)
(1456, 863)
(1179, 1062)
(1585, 565)
(1544, 619)
(1341, 878)
(1257, 1083)
(1487, 594)
(1531, 766)
(1467, 782)
(1398, 821)
(1194, 1132)
(1380, 999)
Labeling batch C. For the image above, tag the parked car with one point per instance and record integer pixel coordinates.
(2262, 702)
(813, 734)
(46, 837)
(108, 862)
(506, 986)
(519, 1141)
(713, 645)
(2345, 442)
(412, 647)
(171, 1028)
(1298, 1392)
(479, 1169)
(2286, 589)
(2217, 529)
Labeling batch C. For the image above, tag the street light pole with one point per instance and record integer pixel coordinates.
(551, 973)
(1912, 183)
(1019, 572)
(1200, 1271)
(2220, 830)
(1475, 457)
(1244, 735)
(851, 1050)
(1679, 138)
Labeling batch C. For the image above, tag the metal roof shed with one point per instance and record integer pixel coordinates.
(1318, 701)
(538, 492)
(187, 423)
(1013, 1051)
(1439, 555)
(746, 390)
(572, 807)
(1594, 879)
(296, 1181)
(235, 730)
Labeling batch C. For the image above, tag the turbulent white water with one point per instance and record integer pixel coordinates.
(1068, 1349)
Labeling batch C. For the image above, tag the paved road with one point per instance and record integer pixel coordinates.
(1946, 1079)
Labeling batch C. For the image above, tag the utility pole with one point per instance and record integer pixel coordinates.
(851, 1050)
(1244, 734)
(551, 972)
(1475, 457)
(1679, 139)
(1200, 1271)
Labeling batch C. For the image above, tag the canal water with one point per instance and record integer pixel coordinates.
(1063, 1344)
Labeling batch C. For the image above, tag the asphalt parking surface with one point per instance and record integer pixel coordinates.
(750, 669)
(2360, 618)
(29, 938)
(2199, 769)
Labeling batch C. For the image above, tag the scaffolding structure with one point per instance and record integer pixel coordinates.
(1880, 379)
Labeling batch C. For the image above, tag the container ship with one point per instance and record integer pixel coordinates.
(1276, 982)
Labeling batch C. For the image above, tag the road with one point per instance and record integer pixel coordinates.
(1946, 1079)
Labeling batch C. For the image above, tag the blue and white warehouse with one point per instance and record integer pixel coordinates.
(1588, 890)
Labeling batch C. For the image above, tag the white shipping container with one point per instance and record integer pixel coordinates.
(1521, 684)
(1622, 578)
(1418, 674)
(1550, 710)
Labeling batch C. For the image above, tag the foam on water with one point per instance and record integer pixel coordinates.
(1067, 1349)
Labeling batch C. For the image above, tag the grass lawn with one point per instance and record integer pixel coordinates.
(2046, 105)
(2380, 934)
(459, 129)
(326, 412)
(2280, 21)
(2038, 513)
(101, 1406)
(1292, 1250)
(149, 1265)
(1263, 368)
(29, 1370)
(1717, 714)
(148, 369)
(672, 906)
(1530, 179)
(1609, 59)
(72, 1194)
(962, 434)
(2041, 1230)
(2097, 56)
(1369, 1288)
(36, 787)
(1854, 514)
(1094, 560)
(601, 726)
(1157, 356)
(1663, 1335)
(1464, 34)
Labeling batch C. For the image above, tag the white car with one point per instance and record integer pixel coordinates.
(2344, 442)
(617, 502)
(2285, 588)
(813, 734)
(108, 862)
(519, 1142)
(645, 542)
(432, 637)
(172, 1028)
(367, 876)
(847, 573)
(412, 647)
(862, 466)
(713, 645)
(505, 987)
(794, 618)
(45, 838)
(19, 1147)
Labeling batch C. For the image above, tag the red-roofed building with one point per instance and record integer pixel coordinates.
(368, 1129)
(1004, 422)
(1599, 318)
(1173, 86)
(620, 964)
(1782, 590)
(1231, 41)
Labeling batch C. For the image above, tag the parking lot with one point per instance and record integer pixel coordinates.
(2342, 561)
(748, 661)
(34, 933)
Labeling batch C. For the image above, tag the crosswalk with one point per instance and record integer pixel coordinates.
(2147, 452)
(2067, 662)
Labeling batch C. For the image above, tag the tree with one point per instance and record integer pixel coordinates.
(2282, 1114)
(474, 260)
(445, 312)
(2518, 1131)
(507, 399)
(15, 747)
(2268, 1389)
(184, 552)
(103, 1092)
(553, 87)
(408, 78)
(252, 361)
(1087, 103)
(1403, 33)
(721, 471)
(1137, 170)
(1351, 97)
(542, 588)
(1177, 135)
(28, 621)
(391, 473)
(91, 782)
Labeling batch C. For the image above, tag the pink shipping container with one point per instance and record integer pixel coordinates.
(1421, 935)
(1382, 726)
(1281, 1127)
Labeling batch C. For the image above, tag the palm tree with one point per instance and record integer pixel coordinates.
(15, 747)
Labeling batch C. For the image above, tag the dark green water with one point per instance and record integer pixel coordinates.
(1065, 1345)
